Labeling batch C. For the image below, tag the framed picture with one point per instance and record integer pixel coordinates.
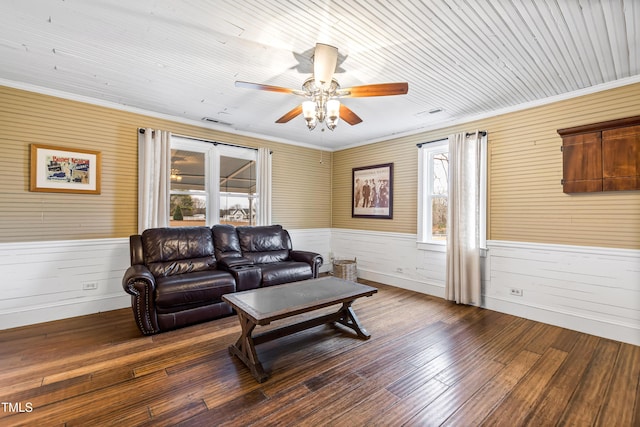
(372, 192)
(61, 170)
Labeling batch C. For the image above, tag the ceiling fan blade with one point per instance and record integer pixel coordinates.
(290, 115)
(259, 86)
(325, 59)
(349, 116)
(381, 89)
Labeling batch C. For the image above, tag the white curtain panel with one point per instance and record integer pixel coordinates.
(154, 170)
(264, 186)
(463, 281)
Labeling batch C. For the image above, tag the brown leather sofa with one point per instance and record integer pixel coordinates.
(178, 275)
(266, 249)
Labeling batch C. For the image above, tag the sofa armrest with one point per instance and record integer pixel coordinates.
(313, 259)
(140, 284)
(136, 276)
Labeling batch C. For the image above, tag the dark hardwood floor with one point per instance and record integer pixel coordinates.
(428, 362)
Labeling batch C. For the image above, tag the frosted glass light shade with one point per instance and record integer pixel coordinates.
(308, 110)
(333, 109)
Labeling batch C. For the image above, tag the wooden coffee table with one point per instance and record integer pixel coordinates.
(264, 305)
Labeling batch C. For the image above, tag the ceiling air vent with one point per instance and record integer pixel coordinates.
(216, 121)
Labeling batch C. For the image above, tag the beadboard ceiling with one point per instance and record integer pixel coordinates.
(469, 58)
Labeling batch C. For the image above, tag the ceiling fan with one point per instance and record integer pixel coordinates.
(322, 92)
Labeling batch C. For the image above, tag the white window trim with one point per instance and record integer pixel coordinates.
(424, 190)
(424, 212)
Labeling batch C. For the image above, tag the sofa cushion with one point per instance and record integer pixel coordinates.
(285, 272)
(267, 257)
(192, 289)
(179, 250)
(260, 239)
(225, 241)
(264, 244)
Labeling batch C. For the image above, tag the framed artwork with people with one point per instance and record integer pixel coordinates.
(372, 192)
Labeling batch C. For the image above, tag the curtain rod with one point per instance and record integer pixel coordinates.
(482, 133)
(141, 130)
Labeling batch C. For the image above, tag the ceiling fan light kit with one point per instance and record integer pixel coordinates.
(322, 105)
(322, 92)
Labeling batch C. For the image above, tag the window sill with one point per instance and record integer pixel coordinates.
(433, 247)
(442, 247)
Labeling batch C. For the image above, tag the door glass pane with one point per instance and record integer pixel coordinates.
(237, 191)
(188, 202)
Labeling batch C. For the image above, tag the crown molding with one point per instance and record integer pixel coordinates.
(129, 109)
(520, 107)
(225, 129)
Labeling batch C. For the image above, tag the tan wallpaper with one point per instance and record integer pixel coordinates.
(312, 188)
(526, 202)
(301, 176)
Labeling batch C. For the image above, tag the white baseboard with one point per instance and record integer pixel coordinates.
(551, 316)
(63, 310)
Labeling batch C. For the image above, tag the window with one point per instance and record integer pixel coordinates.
(433, 192)
(238, 196)
(212, 184)
(433, 184)
(188, 190)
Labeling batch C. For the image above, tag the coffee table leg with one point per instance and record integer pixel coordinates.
(349, 319)
(245, 349)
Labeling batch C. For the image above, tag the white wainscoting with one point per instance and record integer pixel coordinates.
(391, 258)
(43, 281)
(587, 289)
(314, 240)
(591, 290)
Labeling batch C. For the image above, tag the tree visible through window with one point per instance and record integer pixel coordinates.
(439, 195)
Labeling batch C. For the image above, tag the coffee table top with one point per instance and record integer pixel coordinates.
(263, 305)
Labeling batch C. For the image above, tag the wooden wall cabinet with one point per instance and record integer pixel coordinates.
(601, 156)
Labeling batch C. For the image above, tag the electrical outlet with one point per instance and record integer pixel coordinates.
(516, 292)
(89, 286)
